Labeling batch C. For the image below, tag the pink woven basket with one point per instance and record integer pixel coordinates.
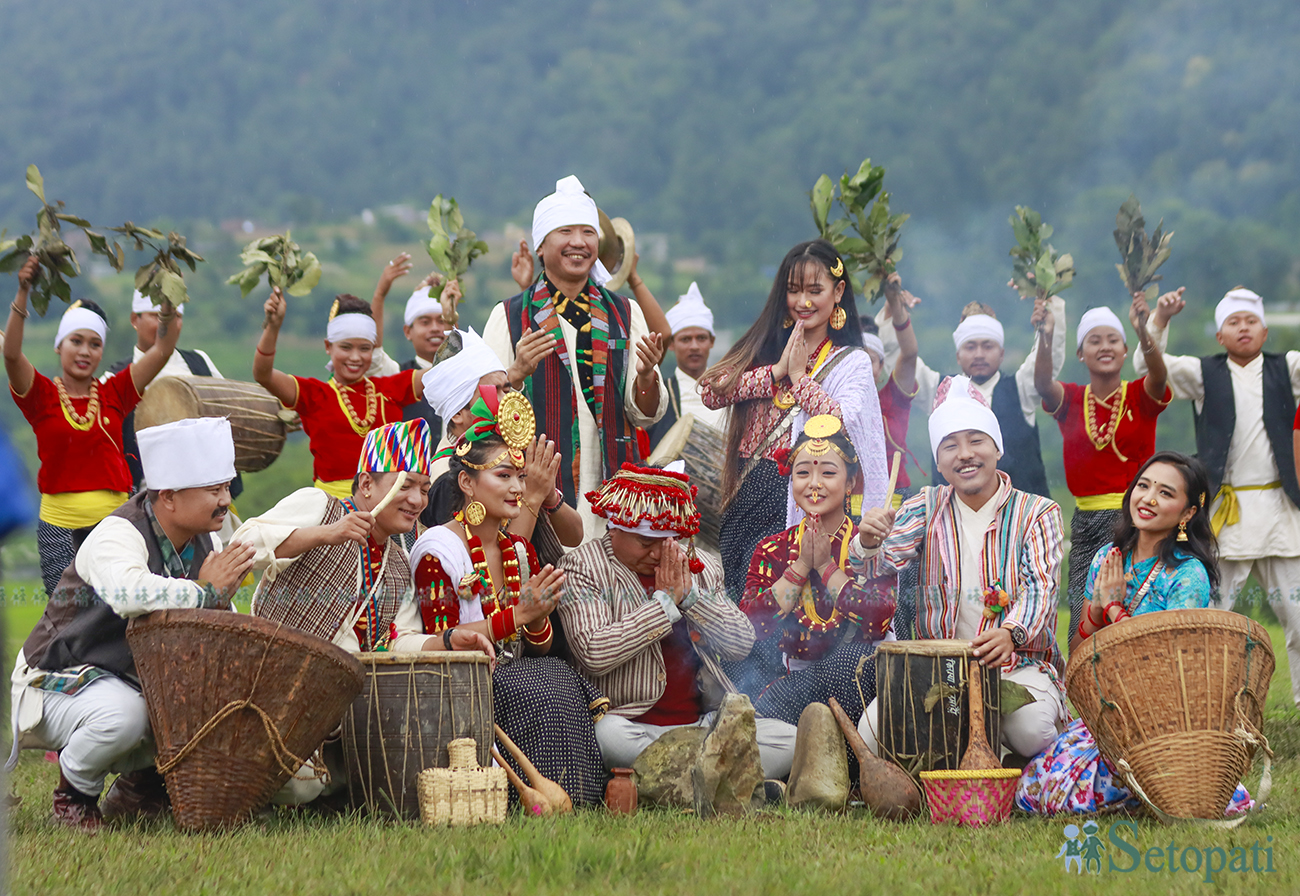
(972, 798)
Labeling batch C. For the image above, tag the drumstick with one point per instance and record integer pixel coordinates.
(392, 493)
(893, 478)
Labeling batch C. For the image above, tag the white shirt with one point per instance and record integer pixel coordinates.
(591, 459)
(927, 380)
(972, 526)
(694, 405)
(1270, 523)
(176, 365)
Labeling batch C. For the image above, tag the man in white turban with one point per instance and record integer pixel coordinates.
(1245, 405)
(75, 687)
(691, 323)
(980, 343)
(981, 539)
(582, 355)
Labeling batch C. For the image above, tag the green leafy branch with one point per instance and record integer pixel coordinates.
(58, 262)
(1038, 272)
(1140, 256)
(874, 250)
(453, 246)
(161, 278)
(282, 261)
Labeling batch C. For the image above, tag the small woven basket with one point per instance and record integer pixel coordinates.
(973, 798)
(463, 794)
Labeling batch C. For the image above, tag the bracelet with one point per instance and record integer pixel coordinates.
(1093, 621)
(830, 570)
(21, 312)
(1106, 612)
(903, 326)
(260, 352)
(793, 577)
(1082, 633)
(446, 639)
(538, 637)
(503, 624)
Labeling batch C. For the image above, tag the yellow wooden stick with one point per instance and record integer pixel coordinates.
(392, 493)
(893, 478)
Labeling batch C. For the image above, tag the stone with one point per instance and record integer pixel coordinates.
(728, 775)
(819, 776)
(663, 770)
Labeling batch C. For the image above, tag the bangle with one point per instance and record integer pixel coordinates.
(21, 312)
(904, 325)
(503, 624)
(793, 577)
(270, 354)
(446, 639)
(1082, 633)
(830, 570)
(1106, 612)
(1093, 621)
(559, 499)
(538, 637)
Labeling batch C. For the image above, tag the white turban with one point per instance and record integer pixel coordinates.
(192, 453)
(353, 325)
(959, 406)
(419, 304)
(978, 326)
(1098, 317)
(569, 204)
(690, 311)
(1237, 301)
(142, 304)
(873, 343)
(450, 384)
(80, 318)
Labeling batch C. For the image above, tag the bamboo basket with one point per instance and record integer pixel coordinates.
(463, 794)
(1175, 700)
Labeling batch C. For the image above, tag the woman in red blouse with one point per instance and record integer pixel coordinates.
(802, 357)
(78, 421)
(472, 574)
(336, 414)
(802, 597)
(1108, 427)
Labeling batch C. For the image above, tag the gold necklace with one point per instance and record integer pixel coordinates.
(360, 426)
(1102, 440)
(75, 420)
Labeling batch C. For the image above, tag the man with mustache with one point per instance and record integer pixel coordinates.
(582, 355)
(980, 539)
(691, 323)
(1246, 442)
(75, 688)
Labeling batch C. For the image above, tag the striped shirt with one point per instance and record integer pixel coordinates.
(1022, 550)
(615, 628)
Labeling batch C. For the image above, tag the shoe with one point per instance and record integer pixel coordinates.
(138, 794)
(75, 809)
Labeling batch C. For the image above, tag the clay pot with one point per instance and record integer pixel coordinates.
(620, 793)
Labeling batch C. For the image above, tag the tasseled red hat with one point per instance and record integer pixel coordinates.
(650, 501)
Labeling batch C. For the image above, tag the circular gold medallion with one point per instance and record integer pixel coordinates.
(515, 420)
(822, 426)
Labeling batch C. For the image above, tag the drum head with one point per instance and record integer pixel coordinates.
(670, 446)
(927, 647)
(165, 401)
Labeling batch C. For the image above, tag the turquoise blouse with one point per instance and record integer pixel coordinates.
(1183, 587)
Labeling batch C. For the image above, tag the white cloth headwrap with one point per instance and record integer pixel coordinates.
(191, 453)
(451, 384)
(959, 408)
(351, 326)
(690, 311)
(142, 304)
(873, 343)
(1098, 317)
(569, 204)
(419, 304)
(978, 326)
(80, 318)
(1236, 301)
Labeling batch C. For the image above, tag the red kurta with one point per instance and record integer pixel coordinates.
(74, 460)
(1089, 471)
(895, 408)
(335, 445)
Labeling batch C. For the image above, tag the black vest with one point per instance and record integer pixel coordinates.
(79, 628)
(1022, 457)
(198, 367)
(422, 408)
(1214, 428)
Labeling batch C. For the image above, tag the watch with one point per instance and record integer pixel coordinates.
(1018, 636)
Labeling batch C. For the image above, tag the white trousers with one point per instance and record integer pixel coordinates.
(102, 728)
(1028, 731)
(1280, 579)
(621, 741)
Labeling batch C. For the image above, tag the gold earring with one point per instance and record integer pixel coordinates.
(788, 322)
(475, 513)
(1182, 532)
(839, 317)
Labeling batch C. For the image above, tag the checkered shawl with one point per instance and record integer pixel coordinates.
(318, 592)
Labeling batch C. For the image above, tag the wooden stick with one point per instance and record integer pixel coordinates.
(893, 478)
(392, 493)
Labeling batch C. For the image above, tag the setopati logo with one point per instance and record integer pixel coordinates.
(1085, 851)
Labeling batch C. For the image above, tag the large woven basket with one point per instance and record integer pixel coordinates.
(972, 798)
(1175, 700)
(194, 664)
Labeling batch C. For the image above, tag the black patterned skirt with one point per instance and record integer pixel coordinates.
(757, 511)
(1089, 531)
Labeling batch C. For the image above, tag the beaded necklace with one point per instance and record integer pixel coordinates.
(361, 426)
(75, 420)
(1101, 440)
(368, 583)
(806, 610)
(509, 568)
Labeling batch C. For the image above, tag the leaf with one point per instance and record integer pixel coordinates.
(309, 277)
(1012, 696)
(72, 219)
(143, 275)
(14, 260)
(173, 287)
(821, 197)
(35, 182)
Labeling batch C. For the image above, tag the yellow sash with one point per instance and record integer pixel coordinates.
(855, 504)
(77, 510)
(1229, 511)
(1111, 501)
(339, 488)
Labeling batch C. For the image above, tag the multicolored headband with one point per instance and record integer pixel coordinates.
(396, 447)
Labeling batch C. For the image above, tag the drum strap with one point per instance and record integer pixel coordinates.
(787, 420)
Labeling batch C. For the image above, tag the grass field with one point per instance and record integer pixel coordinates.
(780, 852)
